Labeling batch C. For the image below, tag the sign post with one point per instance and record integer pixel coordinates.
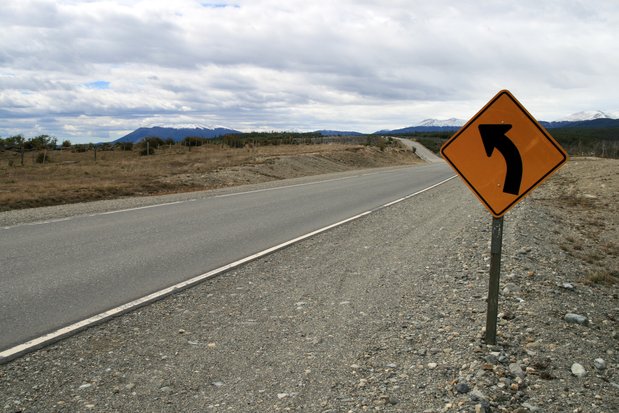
(495, 274)
(502, 153)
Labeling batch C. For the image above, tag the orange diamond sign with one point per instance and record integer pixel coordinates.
(503, 153)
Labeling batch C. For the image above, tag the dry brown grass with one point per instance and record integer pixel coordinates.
(601, 277)
(75, 177)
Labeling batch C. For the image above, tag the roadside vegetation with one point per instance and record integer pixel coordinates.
(599, 142)
(40, 172)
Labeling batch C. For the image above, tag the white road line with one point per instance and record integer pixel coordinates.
(284, 187)
(52, 221)
(59, 334)
(416, 193)
(305, 184)
(142, 207)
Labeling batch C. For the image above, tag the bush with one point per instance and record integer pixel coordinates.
(125, 146)
(79, 148)
(147, 151)
(193, 141)
(153, 141)
(42, 158)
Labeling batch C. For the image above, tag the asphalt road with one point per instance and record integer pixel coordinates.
(60, 272)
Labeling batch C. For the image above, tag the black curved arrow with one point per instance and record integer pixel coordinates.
(493, 136)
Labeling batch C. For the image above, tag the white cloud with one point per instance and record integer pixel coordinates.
(253, 64)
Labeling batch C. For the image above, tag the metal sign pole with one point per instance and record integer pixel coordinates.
(495, 273)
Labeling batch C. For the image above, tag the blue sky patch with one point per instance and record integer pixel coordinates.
(219, 5)
(98, 85)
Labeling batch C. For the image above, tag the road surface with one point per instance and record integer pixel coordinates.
(421, 151)
(60, 272)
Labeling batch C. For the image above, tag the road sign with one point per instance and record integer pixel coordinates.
(503, 153)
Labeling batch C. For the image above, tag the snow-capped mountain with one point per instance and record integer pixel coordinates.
(442, 123)
(185, 126)
(586, 115)
(176, 132)
(180, 126)
(428, 125)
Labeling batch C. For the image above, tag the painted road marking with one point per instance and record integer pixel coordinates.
(34, 344)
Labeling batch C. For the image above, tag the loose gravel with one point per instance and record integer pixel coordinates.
(383, 314)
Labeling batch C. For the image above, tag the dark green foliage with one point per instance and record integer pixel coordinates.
(268, 138)
(432, 143)
(79, 148)
(125, 146)
(42, 157)
(147, 151)
(194, 141)
(152, 141)
(104, 147)
(41, 142)
(603, 142)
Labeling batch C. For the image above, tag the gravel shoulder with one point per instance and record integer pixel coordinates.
(382, 314)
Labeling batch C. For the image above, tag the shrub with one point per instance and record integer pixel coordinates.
(42, 158)
(125, 146)
(153, 141)
(79, 148)
(147, 151)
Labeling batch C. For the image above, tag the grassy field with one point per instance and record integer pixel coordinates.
(69, 176)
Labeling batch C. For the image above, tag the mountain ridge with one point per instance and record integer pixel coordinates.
(175, 133)
(178, 132)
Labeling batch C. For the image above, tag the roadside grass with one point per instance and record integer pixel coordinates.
(71, 177)
(601, 277)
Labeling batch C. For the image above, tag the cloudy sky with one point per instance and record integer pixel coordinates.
(95, 70)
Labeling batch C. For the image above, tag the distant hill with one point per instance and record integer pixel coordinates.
(583, 124)
(427, 125)
(417, 129)
(432, 125)
(175, 133)
(587, 115)
(338, 133)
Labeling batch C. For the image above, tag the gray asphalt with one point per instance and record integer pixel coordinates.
(57, 273)
(421, 151)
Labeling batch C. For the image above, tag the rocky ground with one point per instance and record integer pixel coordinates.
(382, 314)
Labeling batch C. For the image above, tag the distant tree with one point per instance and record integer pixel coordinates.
(79, 148)
(105, 146)
(66, 144)
(147, 150)
(16, 141)
(41, 142)
(125, 146)
(153, 142)
(193, 141)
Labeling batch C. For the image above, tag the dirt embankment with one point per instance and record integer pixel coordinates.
(78, 177)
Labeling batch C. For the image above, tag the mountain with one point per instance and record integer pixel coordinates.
(175, 132)
(427, 125)
(448, 123)
(585, 120)
(325, 132)
(586, 115)
(583, 124)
